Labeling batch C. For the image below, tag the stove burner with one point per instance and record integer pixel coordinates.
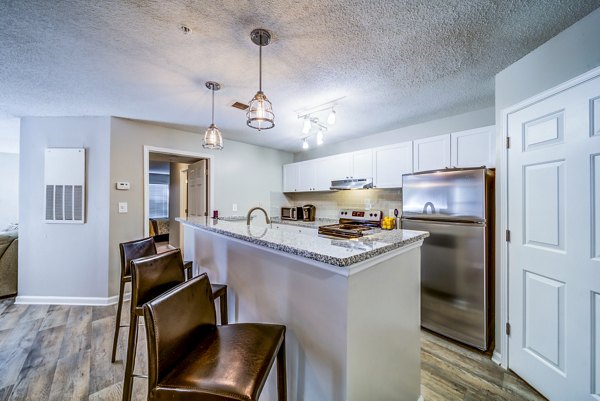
(352, 224)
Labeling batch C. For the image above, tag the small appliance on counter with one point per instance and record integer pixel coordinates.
(353, 224)
(309, 212)
(292, 213)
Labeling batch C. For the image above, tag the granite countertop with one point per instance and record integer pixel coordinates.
(336, 252)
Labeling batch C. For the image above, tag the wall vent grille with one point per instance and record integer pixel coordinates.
(65, 185)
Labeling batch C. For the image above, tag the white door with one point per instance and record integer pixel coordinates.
(554, 251)
(431, 153)
(197, 189)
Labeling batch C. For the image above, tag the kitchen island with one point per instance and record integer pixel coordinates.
(351, 307)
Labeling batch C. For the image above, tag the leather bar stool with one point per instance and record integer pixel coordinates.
(151, 276)
(147, 247)
(191, 358)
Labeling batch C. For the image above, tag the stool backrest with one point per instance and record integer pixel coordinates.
(133, 250)
(154, 275)
(175, 323)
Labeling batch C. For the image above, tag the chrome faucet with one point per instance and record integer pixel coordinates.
(257, 208)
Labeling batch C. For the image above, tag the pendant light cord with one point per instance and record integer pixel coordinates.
(213, 105)
(260, 66)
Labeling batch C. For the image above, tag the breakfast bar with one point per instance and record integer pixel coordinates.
(351, 306)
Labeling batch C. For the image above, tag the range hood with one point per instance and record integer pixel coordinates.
(352, 183)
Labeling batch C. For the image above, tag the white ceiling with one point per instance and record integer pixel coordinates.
(394, 62)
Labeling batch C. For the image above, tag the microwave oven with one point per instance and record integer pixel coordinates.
(291, 213)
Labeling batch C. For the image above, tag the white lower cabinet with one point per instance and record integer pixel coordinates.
(431, 153)
(474, 147)
(390, 162)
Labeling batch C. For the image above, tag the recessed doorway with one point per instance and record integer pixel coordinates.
(177, 185)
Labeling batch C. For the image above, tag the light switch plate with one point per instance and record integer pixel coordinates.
(122, 207)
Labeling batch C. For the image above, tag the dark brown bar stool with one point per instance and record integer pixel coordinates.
(151, 276)
(147, 247)
(191, 358)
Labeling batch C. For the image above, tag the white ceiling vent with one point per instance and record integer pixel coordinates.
(64, 179)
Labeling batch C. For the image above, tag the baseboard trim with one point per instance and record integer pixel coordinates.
(83, 301)
(497, 358)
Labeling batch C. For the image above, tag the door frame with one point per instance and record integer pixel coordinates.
(176, 152)
(503, 358)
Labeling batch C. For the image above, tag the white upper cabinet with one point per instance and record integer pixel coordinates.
(432, 153)
(306, 176)
(362, 164)
(338, 167)
(390, 162)
(474, 147)
(290, 177)
(386, 164)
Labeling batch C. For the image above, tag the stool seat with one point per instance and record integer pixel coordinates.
(210, 371)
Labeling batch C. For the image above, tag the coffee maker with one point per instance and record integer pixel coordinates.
(309, 212)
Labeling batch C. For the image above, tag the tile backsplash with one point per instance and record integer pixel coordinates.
(328, 204)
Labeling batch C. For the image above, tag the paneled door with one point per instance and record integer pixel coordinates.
(197, 191)
(554, 250)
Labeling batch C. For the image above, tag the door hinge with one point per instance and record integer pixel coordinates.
(508, 142)
(507, 235)
(507, 329)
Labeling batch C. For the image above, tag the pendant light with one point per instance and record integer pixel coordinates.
(260, 111)
(212, 136)
(305, 144)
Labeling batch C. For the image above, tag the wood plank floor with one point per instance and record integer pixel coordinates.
(62, 353)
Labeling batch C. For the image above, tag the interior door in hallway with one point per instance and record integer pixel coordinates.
(197, 189)
(554, 251)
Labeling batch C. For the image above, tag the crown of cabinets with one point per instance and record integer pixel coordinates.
(386, 164)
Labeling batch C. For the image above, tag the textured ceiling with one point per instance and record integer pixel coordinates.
(394, 62)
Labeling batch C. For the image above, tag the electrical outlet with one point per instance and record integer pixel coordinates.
(122, 207)
(234, 207)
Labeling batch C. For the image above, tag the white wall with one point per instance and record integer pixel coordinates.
(175, 203)
(567, 55)
(243, 174)
(9, 195)
(63, 260)
(9, 135)
(459, 122)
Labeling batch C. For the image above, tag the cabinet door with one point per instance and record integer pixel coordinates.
(362, 166)
(390, 162)
(324, 170)
(474, 147)
(290, 177)
(338, 167)
(306, 176)
(432, 153)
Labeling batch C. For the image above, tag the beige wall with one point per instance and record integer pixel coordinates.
(243, 174)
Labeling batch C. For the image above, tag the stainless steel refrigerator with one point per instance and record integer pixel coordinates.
(456, 206)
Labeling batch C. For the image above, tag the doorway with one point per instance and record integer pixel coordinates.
(174, 181)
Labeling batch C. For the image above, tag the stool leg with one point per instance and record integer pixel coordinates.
(281, 375)
(129, 364)
(223, 308)
(118, 321)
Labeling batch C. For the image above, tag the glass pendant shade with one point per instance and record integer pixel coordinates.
(305, 144)
(260, 112)
(213, 138)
